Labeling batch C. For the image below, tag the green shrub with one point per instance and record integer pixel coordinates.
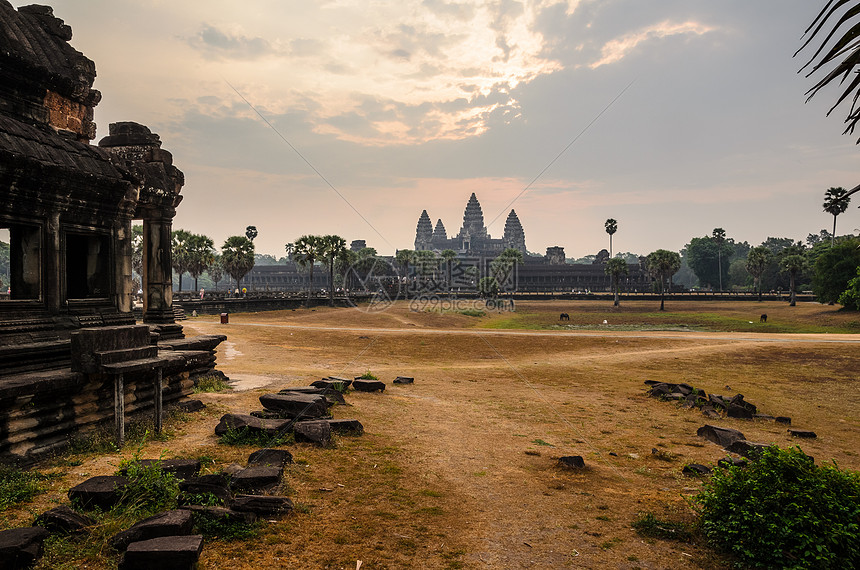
(850, 298)
(368, 376)
(150, 489)
(784, 511)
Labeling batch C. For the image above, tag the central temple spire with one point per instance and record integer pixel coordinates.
(473, 220)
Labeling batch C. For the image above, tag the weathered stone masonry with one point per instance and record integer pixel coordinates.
(66, 208)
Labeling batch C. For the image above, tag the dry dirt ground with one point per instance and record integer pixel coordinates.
(459, 469)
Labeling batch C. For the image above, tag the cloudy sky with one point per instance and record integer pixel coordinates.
(683, 115)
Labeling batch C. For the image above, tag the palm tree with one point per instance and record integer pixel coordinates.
(615, 268)
(611, 227)
(758, 259)
(331, 246)
(237, 257)
(449, 255)
(719, 236)
(215, 271)
(289, 248)
(662, 264)
(835, 203)
(504, 267)
(251, 232)
(792, 261)
(307, 251)
(201, 254)
(845, 50)
(180, 241)
(404, 257)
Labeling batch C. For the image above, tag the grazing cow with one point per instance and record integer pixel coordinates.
(763, 318)
(564, 317)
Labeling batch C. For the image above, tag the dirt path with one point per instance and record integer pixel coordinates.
(491, 411)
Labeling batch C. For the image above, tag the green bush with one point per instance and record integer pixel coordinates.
(150, 489)
(850, 298)
(784, 511)
(368, 376)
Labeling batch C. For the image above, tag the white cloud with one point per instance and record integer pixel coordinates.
(615, 50)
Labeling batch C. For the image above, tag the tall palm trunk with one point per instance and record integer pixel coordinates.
(331, 282)
(662, 295)
(793, 298)
(310, 284)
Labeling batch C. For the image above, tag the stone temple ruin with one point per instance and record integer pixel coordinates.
(71, 354)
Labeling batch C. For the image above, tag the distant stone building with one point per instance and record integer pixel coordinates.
(472, 239)
(476, 248)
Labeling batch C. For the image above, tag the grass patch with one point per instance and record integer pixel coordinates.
(542, 442)
(650, 526)
(20, 486)
(211, 383)
(472, 312)
(368, 375)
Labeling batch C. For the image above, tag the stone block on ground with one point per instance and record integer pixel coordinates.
(164, 553)
(295, 405)
(349, 427)
(719, 435)
(331, 395)
(732, 462)
(170, 523)
(806, 434)
(248, 422)
(255, 479)
(222, 515)
(262, 505)
(103, 492)
(571, 462)
(21, 547)
(270, 457)
(199, 489)
(404, 380)
(190, 406)
(738, 412)
(181, 468)
(709, 412)
(368, 386)
(660, 390)
(783, 420)
(338, 385)
(695, 469)
(64, 520)
(316, 432)
(748, 449)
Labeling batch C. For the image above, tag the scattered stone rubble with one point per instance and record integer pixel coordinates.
(164, 540)
(714, 406)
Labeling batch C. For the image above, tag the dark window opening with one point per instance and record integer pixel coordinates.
(87, 266)
(20, 262)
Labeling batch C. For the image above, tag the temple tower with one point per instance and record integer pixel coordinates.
(514, 235)
(473, 221)
(424, 232)
(440, 236)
